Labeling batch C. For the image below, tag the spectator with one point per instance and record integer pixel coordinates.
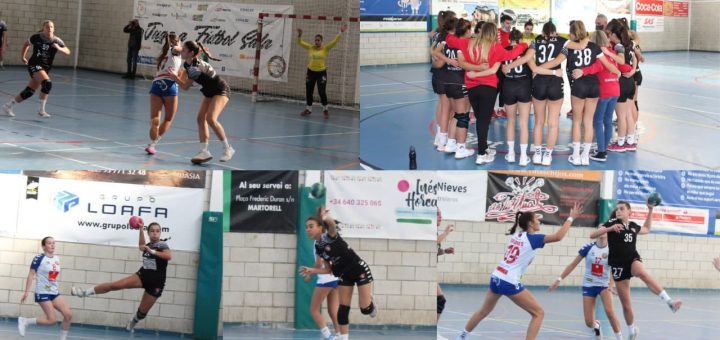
(134, 41)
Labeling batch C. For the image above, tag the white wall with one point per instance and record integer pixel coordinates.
(705, 25)
(260, 272)
(676, 261)
(394, 48)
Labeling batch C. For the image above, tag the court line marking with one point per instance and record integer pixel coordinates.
(510, 321)
(389, 84)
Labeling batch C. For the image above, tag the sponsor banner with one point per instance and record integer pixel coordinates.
(394, 15)
(98, 212)
(13, 186)
(691, 199)
(524, 10)
(676, 9)
(650, 23)
(487, 11)
(384, 204)
(264, 202)
(649, 7)
(167, 178)
(550, 197)
(461, 195)
(566, 10)
(228, 30)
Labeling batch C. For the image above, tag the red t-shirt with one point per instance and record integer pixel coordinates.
(609, 83)
(503, 37)
(496, 54)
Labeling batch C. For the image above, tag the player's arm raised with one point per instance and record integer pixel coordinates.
(560, 234)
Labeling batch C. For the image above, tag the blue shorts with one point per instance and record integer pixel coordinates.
(331, 284)
(501, 287)
(164, 88)
(45, 297)
(593, 291)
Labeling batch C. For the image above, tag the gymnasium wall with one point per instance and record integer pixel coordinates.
(394, 48)
(85, 265)
(676, 261)
(260, 270)
(705, 25)
(674, 38)
(24, 18)
(104, 46)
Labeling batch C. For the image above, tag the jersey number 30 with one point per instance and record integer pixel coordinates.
(512, 254)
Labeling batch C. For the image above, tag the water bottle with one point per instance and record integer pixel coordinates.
(413, 158)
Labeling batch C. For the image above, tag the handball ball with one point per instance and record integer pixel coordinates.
(654, 199)
(317, 190)
(135, 222)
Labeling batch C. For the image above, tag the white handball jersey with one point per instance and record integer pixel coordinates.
(519, 253)
(597, 270)
(171, 64)
(47, 269)
(323, 278)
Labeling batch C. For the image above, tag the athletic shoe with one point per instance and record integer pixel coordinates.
(537, 157)
(598, 330)
(131, 325)
(569, 114)
(22, 324)
(599, 156)
(202, 157)
(631, 147)
(584, 159)
(326, 114)
(451, 146)
(8, 110)
(75, 291)
(615, 147)
(305, 112)
(574, 161)
(510, 157)
(437, 139)
(460, 337)
(441, 141)
(44, 114)
(524, 160)
(491, 152)
(150, 149)
(331, 337)
(463, 152)
(633, 336)
(547, 158)
(227, 154)
(675, 305)
(484, 159)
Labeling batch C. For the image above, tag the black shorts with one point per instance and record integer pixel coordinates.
(585, 87)
(623, 271)
(358, 275)
(516, 91)
(627, 89)
(455, 91)
(221, 89)
(32, 69)
(638, 78)
(546, 87)
(438, 87)
(152, 282)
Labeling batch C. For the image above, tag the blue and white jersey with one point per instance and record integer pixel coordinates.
(47, 269)
(597, 270)
(323, 278)
(171, 63)
(518, 256)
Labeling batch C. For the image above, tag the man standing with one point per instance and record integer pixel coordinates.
(134, 41)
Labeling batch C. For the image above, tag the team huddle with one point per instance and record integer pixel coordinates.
(470, 67)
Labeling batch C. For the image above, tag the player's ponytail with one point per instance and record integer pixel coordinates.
(515, 35)
(522, 220)
(206, 52)
(616, 27)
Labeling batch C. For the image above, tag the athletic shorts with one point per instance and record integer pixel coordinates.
(438, 88)
(585, 87)
(593, 291)
(516, 91)
(638, 78)
(455, 91)
(45, 297)
(331, 284)
(627, 89)
(547, 88)
(152, 282)
(502, 287)
(32, 69)
(222, 89)
(358, 275)
(624, 271)
(164, 88)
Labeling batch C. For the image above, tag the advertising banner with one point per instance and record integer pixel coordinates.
(394, 15)
(264, 202)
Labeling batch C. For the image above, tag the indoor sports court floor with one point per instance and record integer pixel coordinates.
(101, 121)
(679, 111)
(232, 332)
(564, 316)
(8, 330)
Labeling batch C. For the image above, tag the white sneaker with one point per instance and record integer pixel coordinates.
(537, 158)
(22, 324)
(574, 161)
(463, 152)
(510, 157)
(584, 159)
(131, 325)
(597, 330)
(437, 139)
(634, 335)
(484, 159)
(442, 140)
(524, 160)
(44, 114)
(8, 110)
(75, 291)
(546, 158)
(491, 151)
(451, 146)
(227, 154)
(202, 157)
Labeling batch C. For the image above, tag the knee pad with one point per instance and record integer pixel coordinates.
(343, 315)
(440, 303)
(46, 86)
(27, 93)
(140, 315)
(367, 310)
(463, 119)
